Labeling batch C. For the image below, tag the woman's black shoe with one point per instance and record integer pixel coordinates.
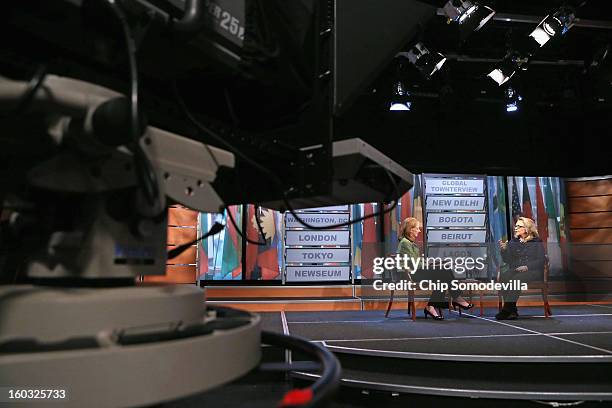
(461, 307)
(427, 312)
(506, 315)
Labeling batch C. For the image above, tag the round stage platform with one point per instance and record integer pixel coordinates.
(567, 357)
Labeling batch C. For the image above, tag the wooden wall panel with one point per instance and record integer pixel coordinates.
(181, 235)
(592, 269)
(182, 228)
(591, 252)
(182, 217)
(592, 236)
(591, 220)
(590, 204)
(588, 188)
(233, 292)
(186, 258)
(175, 274)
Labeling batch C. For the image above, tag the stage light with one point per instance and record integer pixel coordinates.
(553, 25)
(470, 16)
(599, 57)
(512, 62)
(500, 76)
(400, 106)
(401, 98)
(425, 61)
(512, 99)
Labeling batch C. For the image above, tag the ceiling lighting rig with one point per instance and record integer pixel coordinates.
(427, 62)
(552, 26)
(512, 99)
(401, 99)
(470, 16)
(512, 62)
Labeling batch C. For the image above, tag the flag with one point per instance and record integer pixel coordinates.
(501, 206)
(268, 257)
(231, 264)
(527, 211)
(555, 252)
(498, 208)
(391, 229)
(405, 204)
(516, 204)
(494, 216)
(502, 226)
(398, 222)
(551, 210)
(542, 215)
(252, 233)
(203, 248)
(497, 221)
(417, 206)
(369, 242)
(263, 260)
(561, 229)
(357, 239)
(280, 234)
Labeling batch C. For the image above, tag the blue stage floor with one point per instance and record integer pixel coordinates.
(584, 332)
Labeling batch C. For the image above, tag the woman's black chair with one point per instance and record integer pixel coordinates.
(543, 286)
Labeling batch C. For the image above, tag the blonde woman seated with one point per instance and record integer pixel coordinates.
(525, 257)
(409, 231)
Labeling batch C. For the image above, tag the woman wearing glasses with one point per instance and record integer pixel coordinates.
(409, 232)
(525, 257)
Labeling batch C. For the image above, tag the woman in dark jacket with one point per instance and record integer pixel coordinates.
(525, 257)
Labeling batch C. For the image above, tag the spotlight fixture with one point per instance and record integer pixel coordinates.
(553, 25)
(470, 16)
(598, 58)
(512, 99)
(401, 98)
(512, 62)
(425, 61)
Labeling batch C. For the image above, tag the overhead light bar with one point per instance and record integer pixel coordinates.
(553, 25)
(401, 98)
(512, 62)
(428, 63)
(471, 16)
(512, 99)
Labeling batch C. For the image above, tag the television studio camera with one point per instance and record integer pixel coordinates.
(110, 110)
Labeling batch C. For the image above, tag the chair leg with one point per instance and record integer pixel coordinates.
(547, 310)
(499, 303)
(481, 305)
(412, 305)
(409, 307)
(390, 303)
(450, 304)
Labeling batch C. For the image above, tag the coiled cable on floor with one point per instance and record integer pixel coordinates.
(323, 389)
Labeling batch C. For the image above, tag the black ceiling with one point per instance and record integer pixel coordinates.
(458, 121)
